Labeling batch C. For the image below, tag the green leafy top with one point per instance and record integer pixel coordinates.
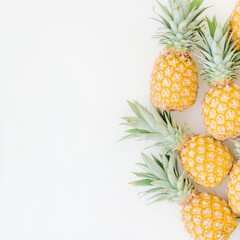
(236, 142)
(179, 23)
(161, 176)
(220, 58)
(155, 125)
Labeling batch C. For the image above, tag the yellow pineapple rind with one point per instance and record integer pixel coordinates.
(174, 84)
(235, 25)
(207, 216)
(221, 111)
(234, 189)
(206, 160)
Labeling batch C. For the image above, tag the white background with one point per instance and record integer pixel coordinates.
(66, 71)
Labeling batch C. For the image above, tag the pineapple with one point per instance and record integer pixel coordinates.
(235, 25)
(205, 159)
(205, 216)
(221, 104)
(174, 81)
(234, 183)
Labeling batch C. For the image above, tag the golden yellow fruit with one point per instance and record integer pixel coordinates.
(234, 189)
(206, 160)
(235, 24)
(221, 111)
(174, 84)
(207, 216)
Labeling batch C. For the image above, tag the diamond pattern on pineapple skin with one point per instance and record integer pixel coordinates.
(207, 216)
(175, 74)
(234, 189)
(235, 25)
(221, 111)
(211, 162)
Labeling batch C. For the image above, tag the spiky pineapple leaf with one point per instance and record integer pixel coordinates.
(236, 142)
(220, 58)
(179, 23)
(163, 180)
(155, 125)
(226, 26)
(165, 9)
(195, 4)
(211, 27)
(142, 182)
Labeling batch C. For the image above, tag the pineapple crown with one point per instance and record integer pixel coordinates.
(220, 58)
(236, 142)
(179, 24)
(155, 125)
(162, 177)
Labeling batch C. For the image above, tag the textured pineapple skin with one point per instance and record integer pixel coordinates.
(207, 216)
(206, 160)
(234, 189)
(174, 82)
(235, 24)
(221, 111)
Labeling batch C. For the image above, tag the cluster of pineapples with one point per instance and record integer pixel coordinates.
(174, 87)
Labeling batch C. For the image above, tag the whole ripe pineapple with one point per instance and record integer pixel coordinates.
(234, 183)
(235, 25)
(206, 160)
(221, 104)
(205, 215)
(174, 82)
